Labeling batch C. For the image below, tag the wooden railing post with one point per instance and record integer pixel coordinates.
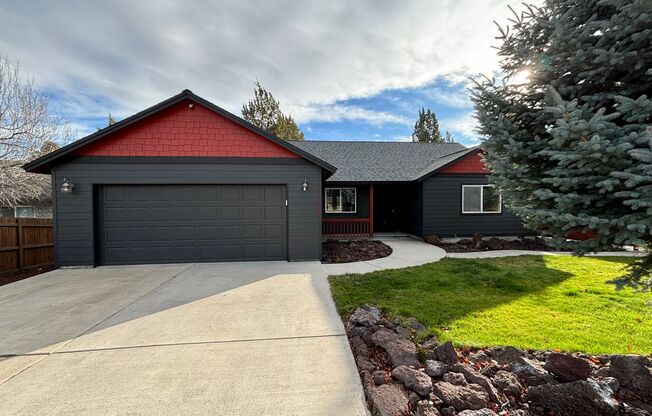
(371, 211)
(21, 246)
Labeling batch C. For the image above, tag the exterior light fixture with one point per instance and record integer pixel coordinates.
(67, 187)
(304, 187)
(191, 106)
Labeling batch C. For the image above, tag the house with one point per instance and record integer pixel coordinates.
(24, 195)
(186, 181)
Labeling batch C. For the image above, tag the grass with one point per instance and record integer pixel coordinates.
(535, 302)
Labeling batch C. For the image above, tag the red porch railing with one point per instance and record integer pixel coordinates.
(346, 227)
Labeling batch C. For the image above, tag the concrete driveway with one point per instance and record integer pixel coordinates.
(219, 338)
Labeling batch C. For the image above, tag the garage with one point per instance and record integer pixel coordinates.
(183, 181)
(145, 224)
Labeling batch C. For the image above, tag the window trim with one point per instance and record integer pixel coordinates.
(355, 200)
(482, 211)
(24, 206)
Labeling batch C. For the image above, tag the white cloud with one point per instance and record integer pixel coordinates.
(454, 98)
(309, 54)
(337, 112)
(464, 125)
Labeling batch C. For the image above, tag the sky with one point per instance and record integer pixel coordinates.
(345, 70)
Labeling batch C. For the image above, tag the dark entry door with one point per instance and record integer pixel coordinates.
(391, 208)
(141, 224)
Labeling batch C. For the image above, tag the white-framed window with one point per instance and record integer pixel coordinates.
(24, 212)
(340, 200)
(480, 199)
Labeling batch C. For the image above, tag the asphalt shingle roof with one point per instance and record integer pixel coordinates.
(382, 161)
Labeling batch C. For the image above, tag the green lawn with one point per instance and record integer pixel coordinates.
(538, 302)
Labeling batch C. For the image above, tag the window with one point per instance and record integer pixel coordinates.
(6, 212)
(480, 199)
(340, 200)
(24, 212)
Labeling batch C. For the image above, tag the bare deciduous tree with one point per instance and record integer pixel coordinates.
(28, 129)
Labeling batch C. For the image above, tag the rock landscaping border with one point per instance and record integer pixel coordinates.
(478, 243)
(402, 377)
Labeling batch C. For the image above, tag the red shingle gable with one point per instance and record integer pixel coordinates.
(182, 131)
(469, 164)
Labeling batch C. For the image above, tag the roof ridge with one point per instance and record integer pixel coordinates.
(370, 141)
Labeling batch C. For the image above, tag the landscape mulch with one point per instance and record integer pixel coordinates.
(337, 251)
(14, 277)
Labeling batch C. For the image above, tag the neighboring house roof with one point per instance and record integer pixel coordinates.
(384, 161)
(44, 163)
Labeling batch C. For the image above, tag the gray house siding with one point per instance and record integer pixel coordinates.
(416, 210)
(442, 210)
(75, 219)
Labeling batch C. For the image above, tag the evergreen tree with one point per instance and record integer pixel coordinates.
(112, 121)
(567, 130)
(265, 112)
(426, 129)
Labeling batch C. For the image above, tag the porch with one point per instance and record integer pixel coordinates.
(362, 210)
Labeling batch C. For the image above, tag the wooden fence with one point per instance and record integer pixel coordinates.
(25, 243)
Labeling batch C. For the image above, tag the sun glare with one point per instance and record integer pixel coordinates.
(520, 78)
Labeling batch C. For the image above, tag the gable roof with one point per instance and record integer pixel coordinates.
(383, 161)
(44, 163)
(446, 161)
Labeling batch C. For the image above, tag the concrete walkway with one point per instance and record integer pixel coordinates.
(259, 338)
(406, 252)
(410, 252)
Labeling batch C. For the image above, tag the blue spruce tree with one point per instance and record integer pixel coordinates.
(567, 130)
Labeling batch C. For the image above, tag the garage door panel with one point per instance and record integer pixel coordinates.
(114, 194)
(230, 232)
(208, 232)
(115, 214)
(252, 212)
(229, 213)
(274, 194)
(253, 193)
(207, 213)
(184, 233)
(184, 213)
(273, 231)
(160, 213)
(231, 251)
(136, 193)
(159, 193)
(187, 223)
(274, 250)
(230, 193)
(138, 234)
(253, 251)
(274, 212)
(116, 234)
(161, 233)
(138, 214)
(207, 193)
(252, 231)
(209, 253)
(184, 193)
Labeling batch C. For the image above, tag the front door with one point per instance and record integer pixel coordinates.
(391, 212)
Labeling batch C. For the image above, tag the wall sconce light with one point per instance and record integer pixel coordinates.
(304, 187)
(67, 187)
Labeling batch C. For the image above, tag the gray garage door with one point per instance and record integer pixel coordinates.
(191, 223)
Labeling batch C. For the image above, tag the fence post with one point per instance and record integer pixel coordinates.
(21, 245)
